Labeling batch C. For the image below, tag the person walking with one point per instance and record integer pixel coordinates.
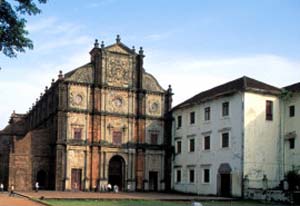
(109, 187)
(1, 187)
(12, 190)
(37, 186)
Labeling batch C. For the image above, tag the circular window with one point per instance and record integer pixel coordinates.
(154, 107)
(117, 102)
(78, 99)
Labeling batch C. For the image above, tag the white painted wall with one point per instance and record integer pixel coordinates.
(216, 155)
(258, 147)
(292, 125)
(262, 140)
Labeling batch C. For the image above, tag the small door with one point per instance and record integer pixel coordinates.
(41, 179)
(76, 179)
(153, 181)
(225, 185)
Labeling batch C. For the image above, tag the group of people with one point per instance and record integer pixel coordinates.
(12, 188)
(109, 188)
(11, 191)
(103, 188)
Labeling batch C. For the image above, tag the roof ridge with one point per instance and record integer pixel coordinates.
(243, 83)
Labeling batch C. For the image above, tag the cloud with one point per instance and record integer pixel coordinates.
(20, 88)
(41, 24)
(191, 75)
(51, 33)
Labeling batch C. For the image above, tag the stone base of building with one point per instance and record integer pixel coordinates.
(267, 195)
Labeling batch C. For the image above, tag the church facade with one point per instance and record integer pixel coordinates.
(105, 122)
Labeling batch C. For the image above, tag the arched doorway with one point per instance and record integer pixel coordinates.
(116, 171)
(224, 180)
(41, 178)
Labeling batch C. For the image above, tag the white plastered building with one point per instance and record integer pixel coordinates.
(232, 137)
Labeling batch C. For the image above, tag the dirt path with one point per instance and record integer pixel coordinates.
(6, 200)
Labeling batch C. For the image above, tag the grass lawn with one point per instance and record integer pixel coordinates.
(145, 203)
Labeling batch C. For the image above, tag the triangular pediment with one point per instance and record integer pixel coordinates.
(119, 48)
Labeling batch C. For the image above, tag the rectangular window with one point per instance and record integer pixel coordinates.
(192, 145)
(179, 119)
(225, 140)
(206, 176)
(178, 147)
(207, 143)
(292, 111)
(207, 113)
(77, 133)
(225, 109)
(292, 143)
(154, 138)
(178, 176)
(269, 110)
(192, 175)
(192, 118)
(117, 137)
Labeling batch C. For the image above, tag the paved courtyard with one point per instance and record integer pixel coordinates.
(6, 200)
(23, 198)
(119, 196)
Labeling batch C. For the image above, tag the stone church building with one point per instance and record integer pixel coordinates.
(105, 122)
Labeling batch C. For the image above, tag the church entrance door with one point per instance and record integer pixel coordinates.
(76, 179)
(116, 172)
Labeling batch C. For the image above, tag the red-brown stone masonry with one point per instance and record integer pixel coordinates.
(94, 166)
(98, 100)
(135, 133)
(30, 154)
(140, 160)
(139, 128)
(20, 165)
(97, 128)
(142, 131)
(90, 129)
(94, 129)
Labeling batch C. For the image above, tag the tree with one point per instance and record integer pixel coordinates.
(12, 25)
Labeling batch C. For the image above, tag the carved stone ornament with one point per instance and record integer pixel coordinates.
(76, 99)
(118, 72)
(154, 107)
(117, 102)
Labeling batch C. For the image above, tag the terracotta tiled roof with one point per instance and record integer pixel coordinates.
(241, 84)
(293, 87)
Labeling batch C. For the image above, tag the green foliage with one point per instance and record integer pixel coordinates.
(293, 179)
(12, 25)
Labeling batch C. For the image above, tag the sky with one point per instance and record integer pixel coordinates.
(192, 45)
